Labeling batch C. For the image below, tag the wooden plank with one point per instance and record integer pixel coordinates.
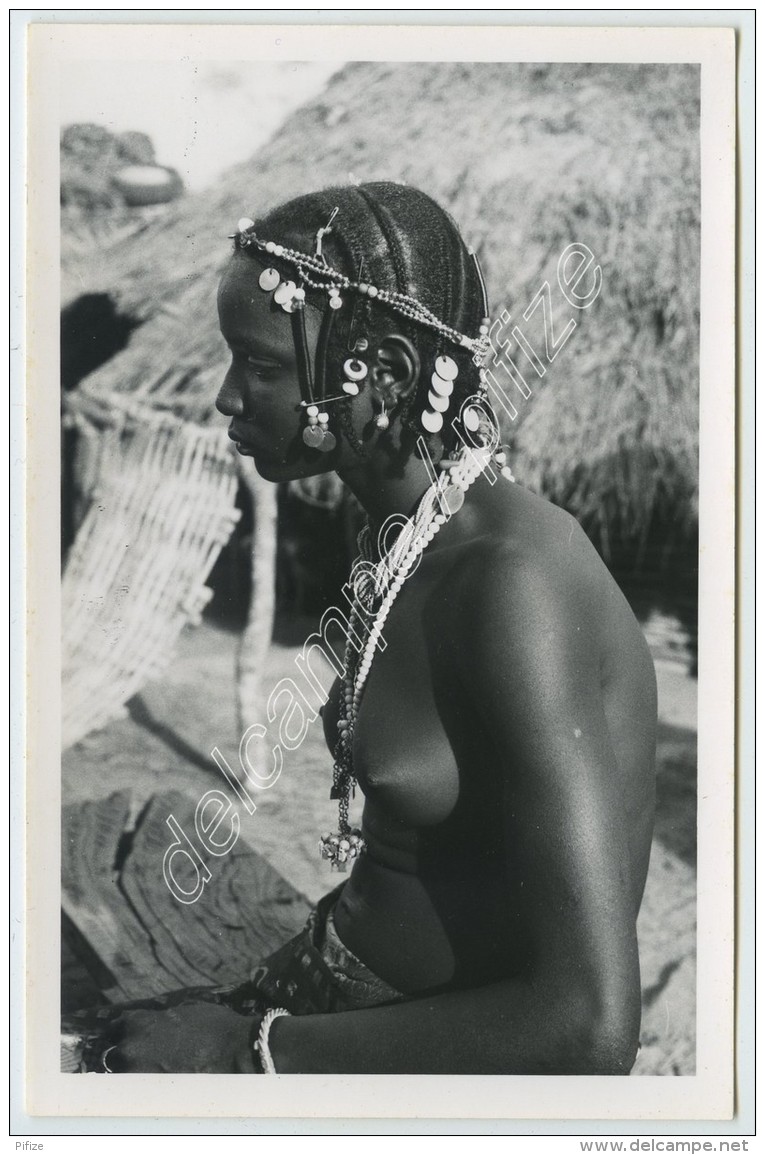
(146, 941)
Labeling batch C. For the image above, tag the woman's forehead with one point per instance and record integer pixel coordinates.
(239, 283)
(244, 305)
(247, 312)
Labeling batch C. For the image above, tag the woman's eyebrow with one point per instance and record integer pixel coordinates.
(255, 350)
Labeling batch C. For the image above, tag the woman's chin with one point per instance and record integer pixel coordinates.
(272, 468)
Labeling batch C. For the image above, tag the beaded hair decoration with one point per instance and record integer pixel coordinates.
(314, 272)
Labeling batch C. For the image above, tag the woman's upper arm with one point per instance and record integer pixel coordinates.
(531, 662)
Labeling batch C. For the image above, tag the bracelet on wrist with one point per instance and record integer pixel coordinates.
(260, 1045)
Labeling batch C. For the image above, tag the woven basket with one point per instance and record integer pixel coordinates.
(161, 507)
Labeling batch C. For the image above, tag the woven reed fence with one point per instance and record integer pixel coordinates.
(160, 496)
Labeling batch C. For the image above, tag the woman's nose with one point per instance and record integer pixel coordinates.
(229, 399)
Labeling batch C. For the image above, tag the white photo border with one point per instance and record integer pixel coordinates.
(660, 1101)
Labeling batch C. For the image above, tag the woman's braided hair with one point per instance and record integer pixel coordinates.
(399, 239)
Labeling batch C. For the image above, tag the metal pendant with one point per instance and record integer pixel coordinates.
(313, 436)
(327, 443)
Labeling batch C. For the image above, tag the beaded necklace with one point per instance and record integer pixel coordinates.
(378, 595)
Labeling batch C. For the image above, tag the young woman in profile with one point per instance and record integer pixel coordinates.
(504, 736)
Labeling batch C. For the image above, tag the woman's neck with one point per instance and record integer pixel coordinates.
(381, 494)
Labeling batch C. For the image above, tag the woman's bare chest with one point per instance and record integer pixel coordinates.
(403, 754)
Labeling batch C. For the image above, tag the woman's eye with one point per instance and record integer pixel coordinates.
(257, 367)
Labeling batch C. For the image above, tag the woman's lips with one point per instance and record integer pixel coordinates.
(242, 444)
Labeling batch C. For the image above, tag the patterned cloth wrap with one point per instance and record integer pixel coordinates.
(313, 973)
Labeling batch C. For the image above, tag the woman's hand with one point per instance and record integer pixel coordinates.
(198, 1038)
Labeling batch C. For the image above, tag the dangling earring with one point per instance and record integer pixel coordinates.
(382, 421)
(439, 395)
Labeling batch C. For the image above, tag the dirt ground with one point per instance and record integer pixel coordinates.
(165, 740)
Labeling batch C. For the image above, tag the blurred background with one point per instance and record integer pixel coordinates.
(189, 583)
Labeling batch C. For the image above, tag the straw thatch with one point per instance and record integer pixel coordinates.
(528, 158)
(96, 212)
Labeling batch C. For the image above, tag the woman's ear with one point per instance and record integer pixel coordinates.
(396, 369)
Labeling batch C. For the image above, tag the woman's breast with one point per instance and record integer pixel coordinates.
(402, 756)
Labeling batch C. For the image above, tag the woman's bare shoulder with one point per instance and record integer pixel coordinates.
(524, 544)
(529, 571)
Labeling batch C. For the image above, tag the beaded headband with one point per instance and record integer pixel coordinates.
(310, 266)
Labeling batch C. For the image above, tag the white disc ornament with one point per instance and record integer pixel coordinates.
(354, 369)
(441, 387)
(285, 292)
(432, 422)
(351, 388)
(471, 419)
(446, 368)
(439, 404)
(269, 280)
(454, 498)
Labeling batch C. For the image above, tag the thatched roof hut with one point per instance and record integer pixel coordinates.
(528, 158)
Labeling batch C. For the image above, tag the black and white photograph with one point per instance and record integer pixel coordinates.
(373, 455)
